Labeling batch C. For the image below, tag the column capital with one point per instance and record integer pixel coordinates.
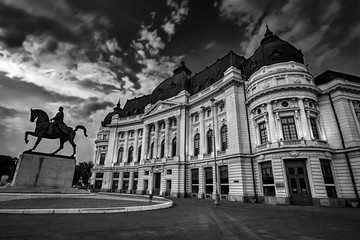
(178, 117)
(167, 121)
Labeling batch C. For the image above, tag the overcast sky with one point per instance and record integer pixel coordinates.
(85, 55)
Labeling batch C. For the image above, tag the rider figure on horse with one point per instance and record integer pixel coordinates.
(58, 120)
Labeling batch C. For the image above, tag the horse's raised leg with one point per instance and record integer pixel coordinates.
(29, 133)
(61, 146)
(38, 140)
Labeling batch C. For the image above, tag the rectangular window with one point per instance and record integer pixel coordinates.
(208, 113)
(267, 179)
(146, 172)
(136, 174)
(102, 158)
(168, 171)
(126, 174)
(328, 178)
(98, 184)
(314, 128)
(99, 175)
(116, 174)
(115, 184)
(289, 128)
(194, 180)
(125, 186)
(208, 180)
(263, 133)
(224, 180)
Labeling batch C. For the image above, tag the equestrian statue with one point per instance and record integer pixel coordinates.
(52, 129)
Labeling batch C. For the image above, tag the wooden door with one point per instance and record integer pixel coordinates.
(298, 182)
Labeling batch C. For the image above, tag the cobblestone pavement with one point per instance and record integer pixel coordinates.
(191, 219)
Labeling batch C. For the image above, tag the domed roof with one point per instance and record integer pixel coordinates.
(173, 85)
(108, 118)
(271, 50)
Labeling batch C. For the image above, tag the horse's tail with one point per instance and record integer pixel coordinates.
(81, 127)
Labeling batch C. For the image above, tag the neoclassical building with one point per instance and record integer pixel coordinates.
(259, 129)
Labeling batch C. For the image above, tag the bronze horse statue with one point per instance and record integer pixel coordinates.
(42, 128)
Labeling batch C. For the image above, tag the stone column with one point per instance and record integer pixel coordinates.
(111, 147)
(131, 182)
(167, 129)
(145, 142)
(216, 128)
(215, 181)
(178, 118)
(136, 145)
(202, 132)
(271, 122)
(121, 180)
(256, 131)
(151, 182)
(304, 127)
(156, 141)
(201, 182)
(126, 147)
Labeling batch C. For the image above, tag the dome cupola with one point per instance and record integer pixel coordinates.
(117, 110)
(272, 50)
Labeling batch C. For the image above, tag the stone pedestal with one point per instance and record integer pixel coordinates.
(37, 170)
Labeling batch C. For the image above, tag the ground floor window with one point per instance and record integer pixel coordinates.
(224, 180)
(115, 184)
(125, 185)
(195, 180)
(208, 180)
(146, 186)
(328, 178)
(98, 184)
(135, 183)
(267, 178)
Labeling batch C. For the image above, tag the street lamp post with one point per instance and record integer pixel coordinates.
(217, 197)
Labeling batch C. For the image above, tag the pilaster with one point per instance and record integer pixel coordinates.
(145, 142)
(167, 128)
(126, 147)
(304, 130)
(156, 141)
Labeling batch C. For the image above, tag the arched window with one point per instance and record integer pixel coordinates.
(209, 137)
(120, 155)
(130, 155)
(139, 154)
(162, 149)
(151, 150)
(224, 141)
(196, 144)
(173, 147)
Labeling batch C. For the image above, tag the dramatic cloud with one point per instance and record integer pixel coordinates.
(86, 55)
(310, 26)
(179, 12)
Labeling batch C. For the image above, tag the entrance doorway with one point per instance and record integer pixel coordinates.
(168, 188)
(146, 185)
(157, 183)
(298, 182)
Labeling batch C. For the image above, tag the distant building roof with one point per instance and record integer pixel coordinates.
(329, 75)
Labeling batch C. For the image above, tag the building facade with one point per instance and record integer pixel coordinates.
(258, 129)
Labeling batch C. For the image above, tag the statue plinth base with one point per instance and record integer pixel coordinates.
(44, 171)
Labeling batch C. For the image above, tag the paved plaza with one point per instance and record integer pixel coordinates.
(191, 219)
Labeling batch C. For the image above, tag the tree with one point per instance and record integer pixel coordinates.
(85, 171)
(77, 174)
(7, 166)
